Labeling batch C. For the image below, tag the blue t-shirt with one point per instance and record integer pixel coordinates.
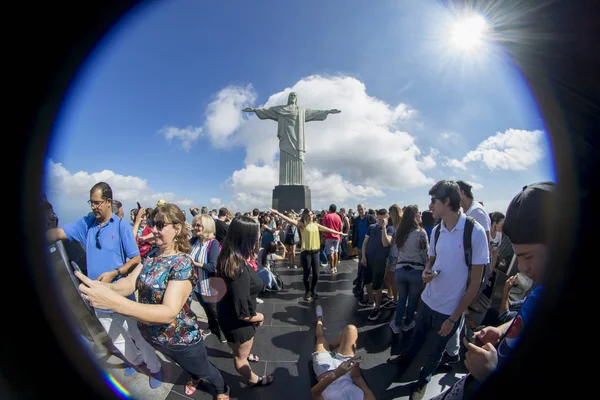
(375, 247)
(268, 237)
(103, 250)
(510, 340)
(362, 227)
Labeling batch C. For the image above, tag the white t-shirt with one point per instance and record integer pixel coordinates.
(478, 213)
(444, 292)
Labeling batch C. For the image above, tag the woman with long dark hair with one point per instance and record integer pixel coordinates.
(311, 246)
(411, 240)
(237, 309)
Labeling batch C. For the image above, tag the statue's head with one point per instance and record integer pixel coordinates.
(293, 98)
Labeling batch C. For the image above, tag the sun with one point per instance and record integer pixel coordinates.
(469, 33)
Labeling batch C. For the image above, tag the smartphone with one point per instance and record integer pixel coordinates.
(139, 206)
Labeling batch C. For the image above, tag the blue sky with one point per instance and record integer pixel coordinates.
(156, 110)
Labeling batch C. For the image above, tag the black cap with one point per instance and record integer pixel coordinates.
(382, 211)
(529, 214)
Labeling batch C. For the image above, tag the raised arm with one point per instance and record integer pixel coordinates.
(284, 217)
(323, 228)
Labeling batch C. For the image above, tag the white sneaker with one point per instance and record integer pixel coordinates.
(395, 328)
(319, 311)
(408, 327)
(295, 267)
(259, 301)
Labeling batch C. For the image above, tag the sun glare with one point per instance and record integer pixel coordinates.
(468, 34)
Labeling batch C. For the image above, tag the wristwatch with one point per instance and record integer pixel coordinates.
(118, 273)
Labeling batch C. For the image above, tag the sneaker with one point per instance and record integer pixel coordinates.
(366, 303)
(324, 265)
(206, 333)
(408, 327)
(398, 359)
(448, 359)
(390, 305)
(314, 295)
(294, 266)
(319, 311)
(129, 371)
(395, 328)
(375, 314)
(419, 391)
(259, 301)
(156, 379)
(307, 296)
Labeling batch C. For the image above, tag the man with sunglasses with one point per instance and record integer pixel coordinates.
(111, 253)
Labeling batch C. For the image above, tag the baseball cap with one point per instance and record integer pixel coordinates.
(382, 211)
(161, 202)
(528, 216)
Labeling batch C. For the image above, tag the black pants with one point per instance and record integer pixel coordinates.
(194, 360)
(211, 314)
(310, 260)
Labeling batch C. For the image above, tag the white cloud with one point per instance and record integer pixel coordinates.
(362, 147)
(224, 116)
(514, 150)
(69, 192)
(184, 136)
(215, 202)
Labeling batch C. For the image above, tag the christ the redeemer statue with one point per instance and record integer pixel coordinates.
(290, 131)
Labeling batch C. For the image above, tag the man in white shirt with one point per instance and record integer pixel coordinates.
(475, 210)
(446, 295)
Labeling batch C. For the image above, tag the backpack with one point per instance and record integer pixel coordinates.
(468, 250)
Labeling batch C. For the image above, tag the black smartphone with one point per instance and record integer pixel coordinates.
(76, 283)
(139, 206)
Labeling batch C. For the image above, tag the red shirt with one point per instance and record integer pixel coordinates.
(332, 221)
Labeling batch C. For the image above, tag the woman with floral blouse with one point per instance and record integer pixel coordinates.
(163, 309)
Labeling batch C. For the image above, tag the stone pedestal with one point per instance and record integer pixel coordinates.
(291, 197)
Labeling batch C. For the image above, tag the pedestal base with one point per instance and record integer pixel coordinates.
(291, 197)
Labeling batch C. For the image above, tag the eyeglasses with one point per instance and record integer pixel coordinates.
(95, 203)
(161, 224)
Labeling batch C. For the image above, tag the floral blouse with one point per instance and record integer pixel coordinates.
(152, 284)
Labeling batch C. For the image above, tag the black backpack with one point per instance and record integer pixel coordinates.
(468, 231)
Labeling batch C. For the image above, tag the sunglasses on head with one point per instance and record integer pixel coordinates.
(161, 224)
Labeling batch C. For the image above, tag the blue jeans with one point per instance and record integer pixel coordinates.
(193, 359)
(410, 285)
(429, 323)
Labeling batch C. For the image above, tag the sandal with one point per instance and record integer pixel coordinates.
(191, 386)
(224, 396)
(253, 358)
(264, 380)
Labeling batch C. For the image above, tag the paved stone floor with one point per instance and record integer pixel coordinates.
(285, 343)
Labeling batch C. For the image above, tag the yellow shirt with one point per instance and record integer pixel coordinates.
(311, 238)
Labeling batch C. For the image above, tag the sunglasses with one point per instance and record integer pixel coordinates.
(161, 224)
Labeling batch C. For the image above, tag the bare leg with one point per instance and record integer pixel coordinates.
(378, 294)
(321, 344)
(370, 292)
(240, 360)
(390, 284)
(346, 341)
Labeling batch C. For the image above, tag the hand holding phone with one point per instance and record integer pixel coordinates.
(139, 206)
